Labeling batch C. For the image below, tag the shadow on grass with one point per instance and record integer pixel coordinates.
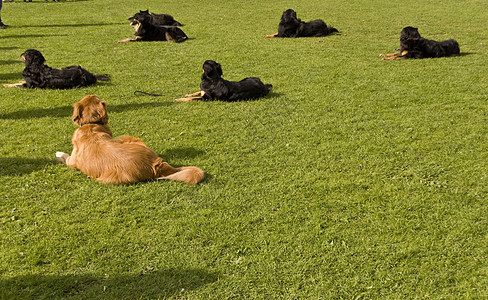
(71, 25)
(30, 36)
(10, 62)
(66, 111)
(9, 48)
(16, 166)
(11, 76)
(154, 285)
(179, 153)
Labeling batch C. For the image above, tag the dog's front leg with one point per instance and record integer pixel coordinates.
(129, 40)
(62, 157)
(393, 56)
(191, 97)
(390, 54)
(20, 83)
(199, 93)
(271, 35)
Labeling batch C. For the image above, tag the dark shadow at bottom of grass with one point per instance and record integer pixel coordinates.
(10, 76)
(16, 166)
(147, 285)
(66, 111)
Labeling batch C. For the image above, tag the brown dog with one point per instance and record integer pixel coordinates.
(115, 161)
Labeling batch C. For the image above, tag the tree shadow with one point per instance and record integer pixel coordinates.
(70, 25)
(153, 285)
(9, 48)
(17, 166)
(10, 62)
(30, 36)
(66, 111)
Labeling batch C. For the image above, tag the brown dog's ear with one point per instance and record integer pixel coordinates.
(77, 113)
(102, 112)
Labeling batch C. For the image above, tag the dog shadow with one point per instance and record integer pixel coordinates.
(169, 283)
(10, 76)
(17, 166)
(66, 111)
(181, 153)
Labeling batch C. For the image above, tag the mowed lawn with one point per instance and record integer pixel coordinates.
(355, 178)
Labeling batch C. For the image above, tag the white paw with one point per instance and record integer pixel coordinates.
(61, 157)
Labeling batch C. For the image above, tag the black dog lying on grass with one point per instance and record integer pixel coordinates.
(147, 31)
(39, 75)
(158, 19)
(214, 87)
(291, 26)
(412, 45)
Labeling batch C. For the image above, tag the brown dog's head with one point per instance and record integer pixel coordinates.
(90, 110)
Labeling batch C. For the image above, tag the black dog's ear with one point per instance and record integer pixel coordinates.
(219, 69)
(294, 14)
(212, 68)
(32, 56)
(144, 11)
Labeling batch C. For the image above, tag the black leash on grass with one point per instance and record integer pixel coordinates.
(136, 93)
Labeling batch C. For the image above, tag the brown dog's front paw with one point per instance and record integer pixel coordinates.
(62, 157)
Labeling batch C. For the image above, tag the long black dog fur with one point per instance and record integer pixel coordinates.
(158, 19)
(38, 75)
(217, 88)
(291, 26)
(147, 31)
(417, 47)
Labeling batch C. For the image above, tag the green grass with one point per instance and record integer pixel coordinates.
(356, 178)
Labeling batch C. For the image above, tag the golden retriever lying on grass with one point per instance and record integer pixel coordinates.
(122, 160)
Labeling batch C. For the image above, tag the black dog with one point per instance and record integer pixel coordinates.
(412, 45)
(158, 19)
(291, 26)
(147, 31)
(214, 87)
(39, 75)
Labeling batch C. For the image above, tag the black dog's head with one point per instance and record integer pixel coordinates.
(408, 36)
(212, 69)
(409, 33)
(32, 57)
(141, 17)
(289, 15)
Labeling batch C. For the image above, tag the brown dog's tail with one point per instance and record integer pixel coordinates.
(191, 175)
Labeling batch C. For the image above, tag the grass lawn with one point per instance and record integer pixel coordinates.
(355, 178)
